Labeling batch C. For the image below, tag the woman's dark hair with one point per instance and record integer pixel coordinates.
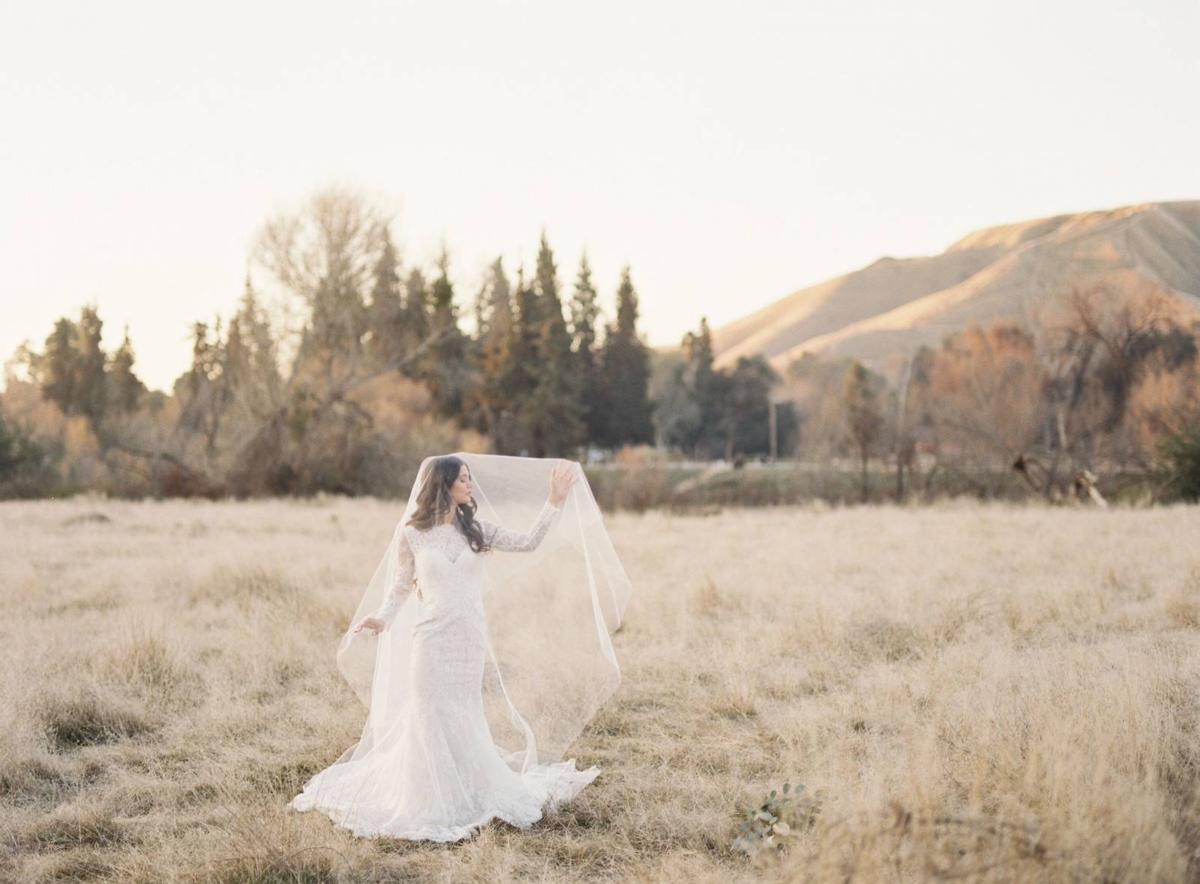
(434, 501)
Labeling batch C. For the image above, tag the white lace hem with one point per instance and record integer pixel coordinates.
(558, 783)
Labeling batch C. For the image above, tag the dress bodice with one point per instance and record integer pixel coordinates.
(439, 563)
(449, 574)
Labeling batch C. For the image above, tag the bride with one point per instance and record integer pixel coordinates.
(480, 652)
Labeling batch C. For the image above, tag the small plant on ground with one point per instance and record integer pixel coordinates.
(768, 828)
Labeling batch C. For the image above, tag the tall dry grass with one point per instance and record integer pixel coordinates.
(990, 693)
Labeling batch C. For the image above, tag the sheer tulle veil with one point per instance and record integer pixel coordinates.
(550, 614)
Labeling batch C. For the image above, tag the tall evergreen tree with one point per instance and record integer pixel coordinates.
(545, 285)
(332, 345)
(585, 318)
(585, 310)
(124, 386)
(517, 375)
(75, 373)
(625, 374)
(90, 363)
(56, 367)
(705, 386)
(259, 336)
(71, 371)
(445, 364)
(711, 412)
(250, 368)
(201, 392)
(748, 406)
(441, 295)
(497, 319)
(385, 314)
(557, 426)
(235, 367)
(698, 350)
(494, 328)
(415, 321)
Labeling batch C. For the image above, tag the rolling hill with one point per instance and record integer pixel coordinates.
(1010, 271)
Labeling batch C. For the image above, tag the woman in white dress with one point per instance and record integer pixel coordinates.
(429, 766)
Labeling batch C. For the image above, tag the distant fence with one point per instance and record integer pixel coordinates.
(697, 486)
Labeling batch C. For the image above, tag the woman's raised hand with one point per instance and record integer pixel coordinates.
(562, 477)
(372, 623)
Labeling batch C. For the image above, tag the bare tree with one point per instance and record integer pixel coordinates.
(323, 258)
(1092, 362)
(287, 381)
(981, 393)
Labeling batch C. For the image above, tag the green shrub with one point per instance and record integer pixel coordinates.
(24, 467)
(1180, 453)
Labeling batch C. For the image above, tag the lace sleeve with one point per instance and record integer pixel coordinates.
(508, 540)
(403, 584)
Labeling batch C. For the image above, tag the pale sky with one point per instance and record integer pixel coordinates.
(730, 152)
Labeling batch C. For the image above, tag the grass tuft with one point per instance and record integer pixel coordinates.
(87, 717)
(30, 779)
(146, 663)
(70, 828)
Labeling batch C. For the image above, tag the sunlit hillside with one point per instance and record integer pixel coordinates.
(1012, 271)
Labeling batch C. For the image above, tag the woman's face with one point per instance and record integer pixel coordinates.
(460, 491)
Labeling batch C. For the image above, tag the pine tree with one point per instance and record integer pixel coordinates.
(124, 386)
(698, 349)
(441, 295)
(558, 426)
(585, 309)
(200, 391)
(494, 329)
(259, 336)
(415, 322)
(498, 318)
(385, 317)
(545, 285)
(705, 387)
(517, 376)
(89, 366)
(712, 412)
(75, 373)
(625, 374)
(748, 408)
(55, 368)
(251, 367)
(236, 367)
(445, 363)
(332, 347)
(585, 318)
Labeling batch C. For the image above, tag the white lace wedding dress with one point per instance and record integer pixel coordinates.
(436, 774)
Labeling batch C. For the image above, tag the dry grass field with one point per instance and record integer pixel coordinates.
(986, 693)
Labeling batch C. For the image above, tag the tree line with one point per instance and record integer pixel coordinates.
(342, 366)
